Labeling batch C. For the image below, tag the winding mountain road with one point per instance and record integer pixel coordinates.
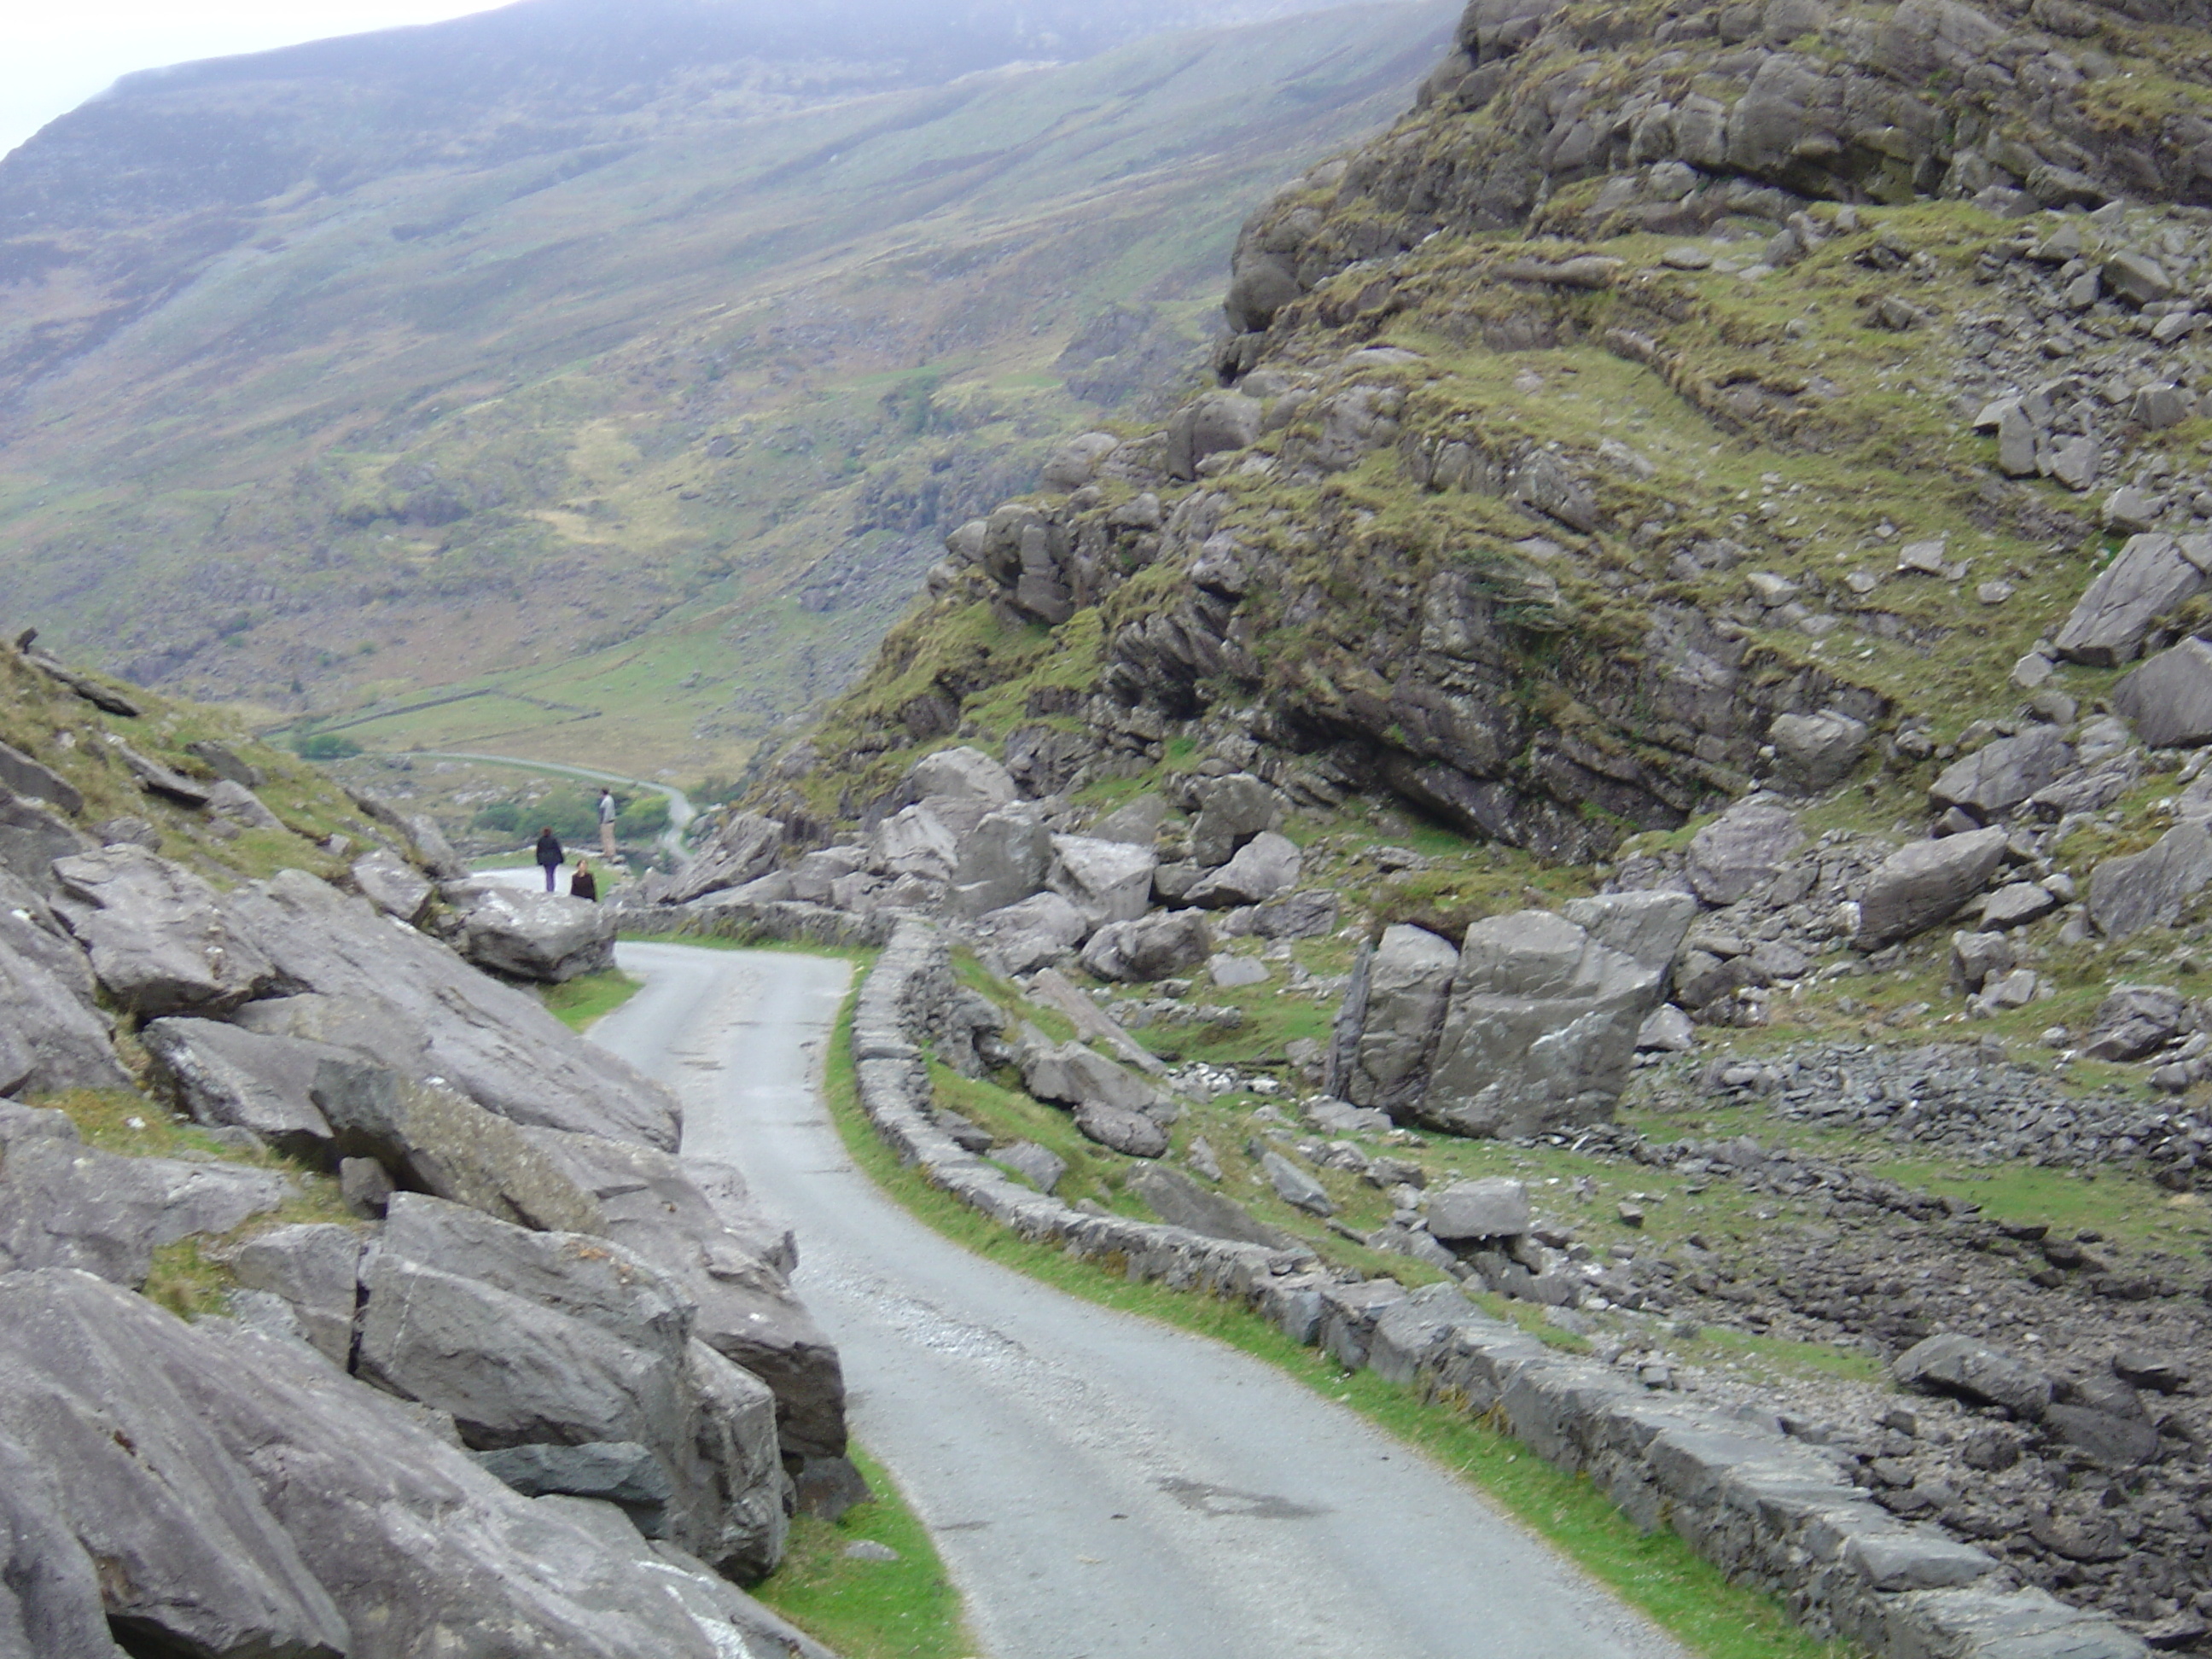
(1101, 1487)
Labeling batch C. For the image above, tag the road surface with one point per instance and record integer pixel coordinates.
(1101, 1487)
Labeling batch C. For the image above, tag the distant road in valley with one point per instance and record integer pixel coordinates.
(681, 812)
(1101, 1487)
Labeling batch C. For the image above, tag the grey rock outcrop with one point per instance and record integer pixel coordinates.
(1407, 989)
(1959, 1365)
(32, 837)
(1158, 947)
(743, 847)
(1074, 1076)
(696, 1222)
(1181, 1202)
(548, 936)
(1130, 1133)
(409, 1003)
(2149, 576)
(393, 886)
(1231, 809)
(263, 1498)
(1033, 933)
(1002, 861)
(1926, 882)
(64, 1204)
(161, 940)
(1540, 1031)
(1647, 926)
(2169, 699)
(1294, 1186)
(1742, 850)
(224, 1076)
(1492, 1207)
(2147, 888)
(557, 1339)
(315, 1271)
(1106, 880)
(1264, 867)
(965, 773)
(437, 1141)
(1814, 752)
(1997, 777)
(51, 1037)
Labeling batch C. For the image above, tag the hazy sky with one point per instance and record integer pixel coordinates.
(60, 53)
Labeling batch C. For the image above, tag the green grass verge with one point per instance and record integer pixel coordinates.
(902, 1609)
(579, 1002)
(1656, 1573)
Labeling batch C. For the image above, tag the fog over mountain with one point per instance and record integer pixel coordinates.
(483, 349)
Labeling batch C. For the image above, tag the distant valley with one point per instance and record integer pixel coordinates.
(602, 392)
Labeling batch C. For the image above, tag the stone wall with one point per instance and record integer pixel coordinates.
(1771, 1511)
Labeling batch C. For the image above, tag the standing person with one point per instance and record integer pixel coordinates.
(550, 855)
(584, 884)
(607, 810)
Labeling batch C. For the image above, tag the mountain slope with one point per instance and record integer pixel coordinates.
(729, 364)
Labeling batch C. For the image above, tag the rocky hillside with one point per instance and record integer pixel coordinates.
(1665, 675)
(595, 382)
(354, 1304)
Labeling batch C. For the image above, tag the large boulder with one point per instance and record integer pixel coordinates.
(1074, 1076)
(1181, 1202)
(562, 1340)
(1264, 867)
(547, 937)
(2135, 1021)
(696, 1222)
(434, 1141)
(1034, 932)
(1742, 850)
(407, 1002)
(2149, 577)
(1118, 1129)
(1137, 822)
(1997, 777)
(1540, 1030)
(393, 886)
(2169, 698)
(1217, 422)
(741, 847)
(1001, 861)
(1647, 926)
(64, 1204)
(1975, 1372)
(1157, 947)
(916, 841)
(1495, 1207)
(227, 1077)
(2148, 889)
(962, 773)
(1812, 752)
(1924, 884)
(51, 1037)
(1231, 809)
(1407, 989)
(161, 940)
(1106, 880)
(232, 1483)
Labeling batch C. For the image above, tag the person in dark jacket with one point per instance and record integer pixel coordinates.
(550, 855)
(584, 884)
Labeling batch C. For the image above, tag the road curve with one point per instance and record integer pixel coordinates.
(1101, 1487)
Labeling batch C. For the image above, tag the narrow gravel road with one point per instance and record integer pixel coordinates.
(1101, 1487)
